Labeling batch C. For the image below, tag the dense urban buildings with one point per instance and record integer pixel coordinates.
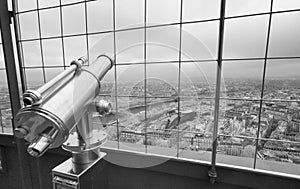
(242, 121)
(276, 123)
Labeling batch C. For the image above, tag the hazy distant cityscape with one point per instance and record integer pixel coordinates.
(238, 120)
(5, 110)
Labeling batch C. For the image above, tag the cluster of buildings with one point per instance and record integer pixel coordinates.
(241, 122)
(5, 110)
(276, 123)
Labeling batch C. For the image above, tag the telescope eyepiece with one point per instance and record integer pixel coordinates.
(42, 142)
(38, 146)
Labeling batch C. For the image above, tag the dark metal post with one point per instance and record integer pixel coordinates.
(5, 18)
(145, 76)
(115, 72)
(179, 79)
(263, 85)
(1, 124)
(17, 34)
(212, 172)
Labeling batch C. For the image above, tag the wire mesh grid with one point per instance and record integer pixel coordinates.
(142, 29)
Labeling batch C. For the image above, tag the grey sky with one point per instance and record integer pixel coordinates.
(244, 37)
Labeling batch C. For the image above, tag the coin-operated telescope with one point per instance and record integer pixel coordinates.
(59, 113)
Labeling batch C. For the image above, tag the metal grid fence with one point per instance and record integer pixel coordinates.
(84, 35)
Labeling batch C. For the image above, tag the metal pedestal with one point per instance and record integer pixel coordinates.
(85, 170)
(91, 177)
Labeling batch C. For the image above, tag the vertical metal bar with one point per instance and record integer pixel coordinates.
(115, 69)
(2, 129)
(44, 78)
(18, 44)
(145, 74)
(212, 172)
(86, 31)
(13, 88)
(179, 78)
(40, 40)
(263, 84)
(62, 34)
(18, 39)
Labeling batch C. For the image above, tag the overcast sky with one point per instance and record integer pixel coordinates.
(244, 37)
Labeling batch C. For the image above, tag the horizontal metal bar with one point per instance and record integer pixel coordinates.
(206, 98)
(53, 7)
(283, 57)
(261, 58)
(285, 11)
(165, 62)
(247, 15)
(124, 64)
(54, 37)
(41, 67)
(263, 13)
(175, 61)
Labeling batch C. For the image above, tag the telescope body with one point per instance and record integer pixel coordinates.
(48, 122)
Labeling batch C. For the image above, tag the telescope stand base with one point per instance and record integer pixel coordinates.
(92, 176)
